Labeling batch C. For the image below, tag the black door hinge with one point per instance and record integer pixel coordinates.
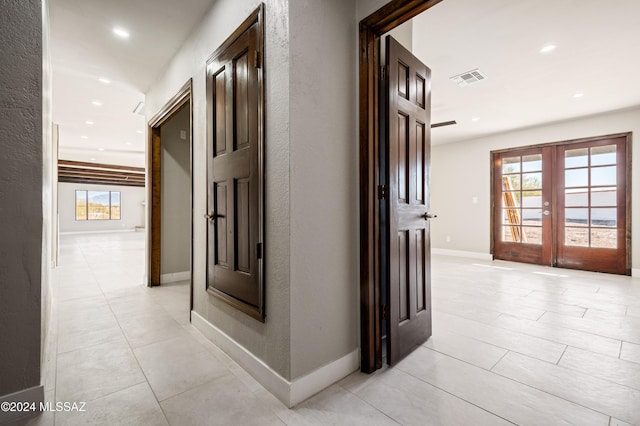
(384, 311)
(259, 250)
(382, 192)
(383, 72)
(257, 59)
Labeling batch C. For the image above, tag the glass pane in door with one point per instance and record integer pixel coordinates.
(522, 199)
(590, 214)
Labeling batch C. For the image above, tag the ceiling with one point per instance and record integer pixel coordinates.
(84, 49)
(596, 55)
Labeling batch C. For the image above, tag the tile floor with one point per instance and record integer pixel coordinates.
(512, 344)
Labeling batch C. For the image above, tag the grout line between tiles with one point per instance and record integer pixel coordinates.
(457, 396)
(498, 362)
(549, 393)
(563, 352)
(370, 405)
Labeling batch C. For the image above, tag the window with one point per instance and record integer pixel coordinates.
(97, 205)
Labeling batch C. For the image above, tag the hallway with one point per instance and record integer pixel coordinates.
(512, 344)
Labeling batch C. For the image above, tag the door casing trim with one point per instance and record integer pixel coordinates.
(182, 99)
(371, 28)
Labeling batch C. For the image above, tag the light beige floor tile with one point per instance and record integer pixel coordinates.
(616, 370)
(411, 401)
(91, 373)
(472, 313)
(336, 405)
(223, 401)
(75, 291)
(513, 401)
(506, 339)
(630, 352)
(579, 299)
(190, 365)
(465, 348)
(633, 311)
(616, 422)
(566, 336)
(458, 302)
(588, 391)
(624, 333)
(87, 330)
(618, 320)
(150, 327)
(129, 407)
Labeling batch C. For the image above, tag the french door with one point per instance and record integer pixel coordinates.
(564, 205)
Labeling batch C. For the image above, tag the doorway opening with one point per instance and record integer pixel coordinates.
(565, 204)
(170, 192)
(372, 312)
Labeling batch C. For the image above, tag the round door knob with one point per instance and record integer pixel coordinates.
(211, 215)
(546, 212)
(429, 215)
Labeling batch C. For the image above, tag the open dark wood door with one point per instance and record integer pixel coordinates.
(406, 154)
(235, 169)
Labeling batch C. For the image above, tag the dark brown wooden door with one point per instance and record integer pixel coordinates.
(563, 205)
(234, 170)
(591, 207)
(406, 147)
(523, 203)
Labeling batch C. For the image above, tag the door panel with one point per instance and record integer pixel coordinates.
(591, 214)
(523, 193)
(563, 205)
(234, 169)
(407, 150)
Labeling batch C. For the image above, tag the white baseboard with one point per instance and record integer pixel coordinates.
(108, 231)
(461, 253)
(290, 393)
(175, 277)
(34, 394)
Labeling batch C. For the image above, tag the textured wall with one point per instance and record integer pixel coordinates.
(20, 193)
(176, 195)
(324, 183)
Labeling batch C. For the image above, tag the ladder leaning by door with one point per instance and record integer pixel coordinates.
(513, 212)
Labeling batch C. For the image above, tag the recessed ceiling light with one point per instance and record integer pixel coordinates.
(84, 137)
(100, 149)
(128, 143)
(475, 119)
(578, 95)
(104, 80)
(96, 103)
(139, 132)
(121, 32)
(92, 159)
(89, 122)
(548, 48)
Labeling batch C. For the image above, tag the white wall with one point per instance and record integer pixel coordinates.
(324, 183)
(132, 210)
(175, 198)
(461, 171)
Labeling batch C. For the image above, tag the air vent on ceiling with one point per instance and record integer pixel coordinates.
(469, 77)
